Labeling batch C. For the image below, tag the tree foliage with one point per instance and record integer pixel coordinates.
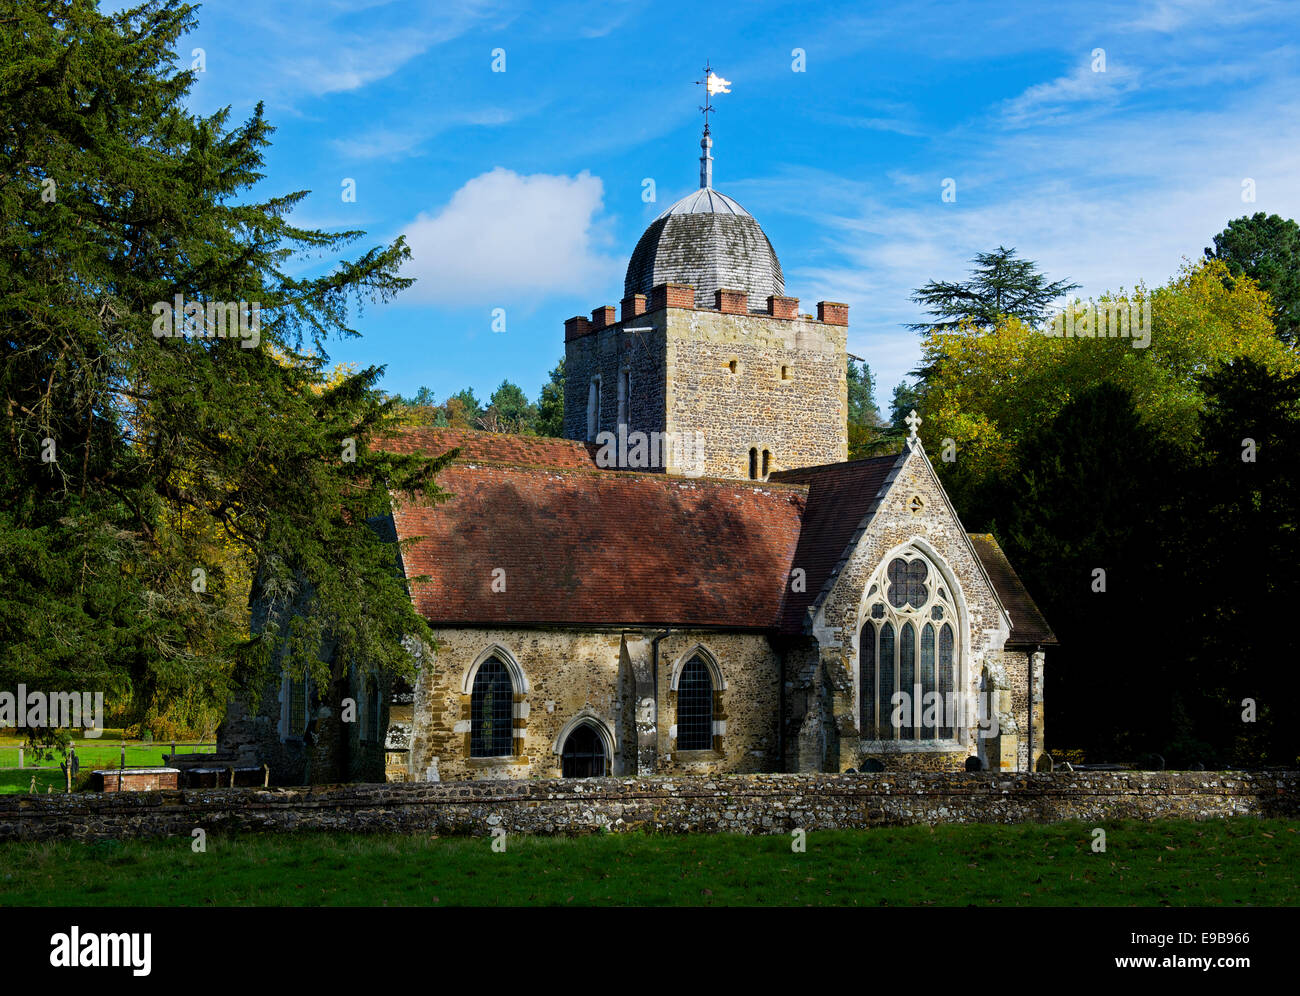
(133, 461)
(1266, 248)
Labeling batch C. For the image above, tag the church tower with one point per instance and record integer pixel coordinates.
(708, 366)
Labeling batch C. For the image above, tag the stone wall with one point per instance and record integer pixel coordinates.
(732, 803)
(566, 676)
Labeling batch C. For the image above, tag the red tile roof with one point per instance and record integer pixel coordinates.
(593, 547)
(584, 546)
(839, 495)
(1028, 627)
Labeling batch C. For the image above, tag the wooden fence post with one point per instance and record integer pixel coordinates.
(20, 758)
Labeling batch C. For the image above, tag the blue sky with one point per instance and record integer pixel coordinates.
(522, 189)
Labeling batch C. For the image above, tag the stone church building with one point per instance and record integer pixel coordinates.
(696, 579)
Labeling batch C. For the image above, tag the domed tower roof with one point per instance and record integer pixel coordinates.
(709, 241)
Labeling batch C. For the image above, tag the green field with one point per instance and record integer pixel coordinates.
(1222, 863)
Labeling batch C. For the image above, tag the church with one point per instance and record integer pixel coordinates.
(695, 580)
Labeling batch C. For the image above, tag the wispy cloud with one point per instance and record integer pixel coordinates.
(407, 139)
(1047, 102)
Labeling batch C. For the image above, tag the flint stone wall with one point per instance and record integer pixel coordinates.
(768, 803)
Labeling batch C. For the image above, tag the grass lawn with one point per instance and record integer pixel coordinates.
(1222, 863)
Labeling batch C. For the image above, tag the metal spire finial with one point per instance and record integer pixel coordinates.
(712, 84)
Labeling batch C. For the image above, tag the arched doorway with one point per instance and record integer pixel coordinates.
(584, 754)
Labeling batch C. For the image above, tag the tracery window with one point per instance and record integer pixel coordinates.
(908, 643)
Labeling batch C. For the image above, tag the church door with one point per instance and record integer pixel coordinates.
(584, 754)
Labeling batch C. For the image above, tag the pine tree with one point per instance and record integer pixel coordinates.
(1000, 286)
(127, 453)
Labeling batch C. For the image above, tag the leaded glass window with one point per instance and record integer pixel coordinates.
(492, 710)
(927, 679)
(695, 707)
(296, 693)
(907, 582)
(907, 676)
(945, 672)
(886, 686)
(868, 702)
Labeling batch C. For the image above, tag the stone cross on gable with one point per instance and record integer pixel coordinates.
(913, 420)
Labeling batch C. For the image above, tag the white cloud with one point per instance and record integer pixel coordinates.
(503, 238)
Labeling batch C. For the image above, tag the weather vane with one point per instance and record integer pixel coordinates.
(712, 84)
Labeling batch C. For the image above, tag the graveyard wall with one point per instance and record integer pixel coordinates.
(760, 803)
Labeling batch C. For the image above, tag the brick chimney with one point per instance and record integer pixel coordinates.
(671, 296)
(602, 316)
(633, 306)
(832, 313)
(730, 302)
(782, 307)
(575, 327)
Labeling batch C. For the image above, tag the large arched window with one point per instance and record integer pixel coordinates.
(908, 643)
(492, 711)
(695, 706)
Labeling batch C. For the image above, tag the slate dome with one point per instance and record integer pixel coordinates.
(709, 241)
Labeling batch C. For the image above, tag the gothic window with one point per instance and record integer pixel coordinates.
(908, 645)
(695, 707)
(593, 409)
(945, 673)
(767, 463)
(927, 731)
(867, 704)
(753, 464)
(372, 710)
(624, 396)
(492, 711)
(296, 696)
(583, 755)
(906, 677)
